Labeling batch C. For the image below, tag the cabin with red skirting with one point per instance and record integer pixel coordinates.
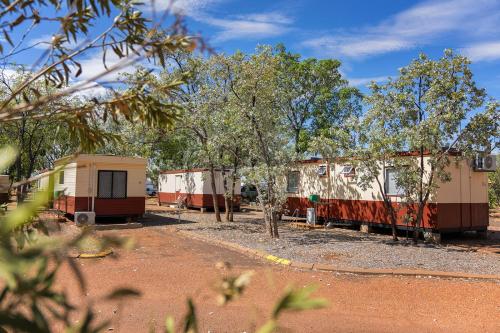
(108, 185)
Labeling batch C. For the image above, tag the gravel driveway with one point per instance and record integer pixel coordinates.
(345, 248)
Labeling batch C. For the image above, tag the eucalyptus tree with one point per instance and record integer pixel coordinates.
(230, 135)
(435, 108)
(201, 97)
(253, 80)
(313, 95)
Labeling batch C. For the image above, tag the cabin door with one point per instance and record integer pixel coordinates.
(178, 186)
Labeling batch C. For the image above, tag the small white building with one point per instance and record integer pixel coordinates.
(193, 188)
(105, 184)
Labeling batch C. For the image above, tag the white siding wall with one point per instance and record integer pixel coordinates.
(69, 186)
(465, 186)
(194, 183)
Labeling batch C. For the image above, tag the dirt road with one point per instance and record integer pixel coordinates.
(168, 268)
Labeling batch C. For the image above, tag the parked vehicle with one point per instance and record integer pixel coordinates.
(151, 190)
(249, 193)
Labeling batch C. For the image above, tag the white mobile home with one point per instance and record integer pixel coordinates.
(44, 181)
(458, 205)
(193, 188)
(105, 184)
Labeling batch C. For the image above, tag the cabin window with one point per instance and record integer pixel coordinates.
(348, 170)
(292, 184)
(112, 184)
(61, 177)
(322, 170)
(391, 187)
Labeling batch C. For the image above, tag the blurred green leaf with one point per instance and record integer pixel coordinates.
(298, 300)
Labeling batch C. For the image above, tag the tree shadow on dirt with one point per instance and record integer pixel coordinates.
(155, 220)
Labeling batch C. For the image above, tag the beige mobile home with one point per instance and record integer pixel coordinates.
(4, 188)
(458, 205)
(104, 184)
(192, 186)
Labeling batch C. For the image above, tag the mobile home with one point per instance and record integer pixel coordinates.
(458, 205)
(193, 188)
(107, 185)
(4, 188)
(44, 181)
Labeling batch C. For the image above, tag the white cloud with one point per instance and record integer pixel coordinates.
(415, 26)
(363, 81)
(93, 66)
(182, 7)
(243, 26)
(487, 51)
(250, 26)
(91, 90)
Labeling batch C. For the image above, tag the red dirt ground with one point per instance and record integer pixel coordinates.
(167, 268)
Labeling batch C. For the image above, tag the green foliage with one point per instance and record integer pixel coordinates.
(494, 186)
(45, 96)
(294, 299)
(432, 109)
(314, 96)
(29, 262)
(231, 288)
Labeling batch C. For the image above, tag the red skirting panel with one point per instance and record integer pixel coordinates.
(4, 197)
(437, 216)
(196, 200)
(131, 206)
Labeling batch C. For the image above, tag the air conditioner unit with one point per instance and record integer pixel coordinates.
(321, 170)
(84, 218)
(486, 163)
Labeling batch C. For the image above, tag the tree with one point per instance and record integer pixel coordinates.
(36, 138)
(313, 96)
(200, 98)
(378, 146)
(437, 110)
(494, 186)
(130, 37)
(253, 85)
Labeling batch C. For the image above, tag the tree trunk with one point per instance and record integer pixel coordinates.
(418, 222)
(393, 221)
(297, 138)
(226, 195)
(214, 193)
(416, 232)
(233, 188)
(393, 217)
(274, 223)
(231, 207)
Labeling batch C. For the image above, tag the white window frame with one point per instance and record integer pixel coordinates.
(296, 189)
(386, 182)
(322, 167)
(348, 170)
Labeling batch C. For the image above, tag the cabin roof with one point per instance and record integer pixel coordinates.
(189, 170)
(101, 158)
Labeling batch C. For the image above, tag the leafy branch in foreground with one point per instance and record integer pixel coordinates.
(231, 287)
(130, 38)
(30, 259)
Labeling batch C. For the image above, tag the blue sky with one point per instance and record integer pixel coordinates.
(371, 38)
